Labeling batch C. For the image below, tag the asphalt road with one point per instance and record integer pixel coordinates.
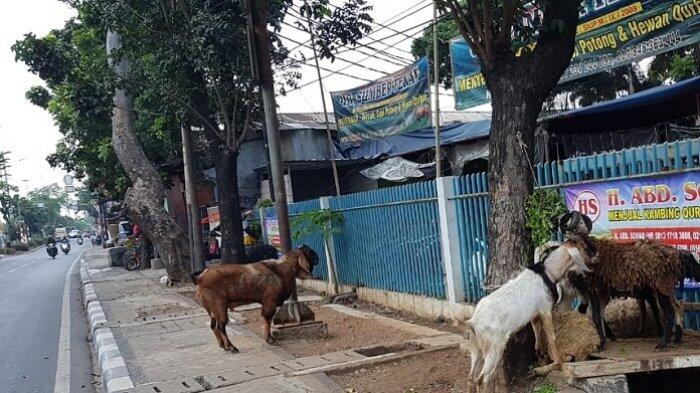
(31, 302)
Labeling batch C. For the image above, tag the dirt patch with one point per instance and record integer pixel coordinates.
(344, 332)
(439, 324)
(435, 372)
(190, 294)
(169, 309)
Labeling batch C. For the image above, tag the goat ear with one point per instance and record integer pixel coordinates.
(588, 222)
(564, 221)
(303, 263)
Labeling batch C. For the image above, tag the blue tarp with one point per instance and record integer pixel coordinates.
(649, 107)
(413, 141)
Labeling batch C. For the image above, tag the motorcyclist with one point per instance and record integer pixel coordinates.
(50, 241)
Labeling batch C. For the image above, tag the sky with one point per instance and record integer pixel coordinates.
(394, 48)
(29, 133)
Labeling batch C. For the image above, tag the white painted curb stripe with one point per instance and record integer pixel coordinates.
(108, 353)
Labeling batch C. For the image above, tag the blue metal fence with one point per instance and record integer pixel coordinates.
(314, 240)
(472, 207)
(390, 237)
(472, 199)
(390, 240)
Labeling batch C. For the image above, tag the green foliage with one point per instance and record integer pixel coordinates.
(682, 67)
(39, 96)
(447, 29)
(324, 221)
(264, 203)
(546, 387)
(541, 207)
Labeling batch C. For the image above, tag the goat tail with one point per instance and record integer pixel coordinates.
(470, 329)
(195, 276)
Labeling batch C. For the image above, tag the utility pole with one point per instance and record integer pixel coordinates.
(325, 112)
(436, 81)
(196, 252)
(259, 46)
(630, 79)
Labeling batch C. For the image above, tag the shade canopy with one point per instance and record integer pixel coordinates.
(413, 141)
(649, 107)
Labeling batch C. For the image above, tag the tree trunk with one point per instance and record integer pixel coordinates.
(146, 196)
(145, 251)
(230, 222)
(510, 177)
(519, 87)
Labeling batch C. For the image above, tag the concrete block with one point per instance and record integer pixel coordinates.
(608, 384)
(157, 263)
(306, 330)
(115, 256)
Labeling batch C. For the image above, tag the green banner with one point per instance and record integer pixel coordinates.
(395, 104)
(610, 34)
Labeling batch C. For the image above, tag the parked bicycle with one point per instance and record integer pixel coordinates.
(132, 256)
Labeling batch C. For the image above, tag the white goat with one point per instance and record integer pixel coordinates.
(509, 308)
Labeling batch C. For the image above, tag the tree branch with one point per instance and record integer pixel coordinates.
(507, 26)
(466, 30)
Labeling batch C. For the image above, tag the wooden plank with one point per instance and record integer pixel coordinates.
(599, 368)
(690, 306)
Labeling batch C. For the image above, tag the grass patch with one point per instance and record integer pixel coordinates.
(547, 387)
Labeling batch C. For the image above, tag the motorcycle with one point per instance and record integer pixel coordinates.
(65, 247)
(51, 250)
(80, 240)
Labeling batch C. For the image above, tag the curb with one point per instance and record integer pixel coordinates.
(115, 375)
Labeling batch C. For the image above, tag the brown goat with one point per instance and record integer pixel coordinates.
(643, 269)
(269, 283)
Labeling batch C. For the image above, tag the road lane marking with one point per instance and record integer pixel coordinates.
(62, 380)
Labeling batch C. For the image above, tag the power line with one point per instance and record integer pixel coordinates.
(384, 24)
(392, 56)
(308, 46)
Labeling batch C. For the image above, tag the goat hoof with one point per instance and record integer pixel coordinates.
(542, 371)
(660, 348)
(270, 340)
(234, 350)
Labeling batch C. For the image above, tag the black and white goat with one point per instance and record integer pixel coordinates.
(529, 297)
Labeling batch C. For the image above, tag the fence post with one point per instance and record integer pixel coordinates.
(329, 244)
(263, 229)
(449, 240)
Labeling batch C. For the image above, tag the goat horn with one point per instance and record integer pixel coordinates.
(575, 218)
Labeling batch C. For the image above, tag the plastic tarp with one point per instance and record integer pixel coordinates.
(396, 169)
(656, 105)
(413, 141)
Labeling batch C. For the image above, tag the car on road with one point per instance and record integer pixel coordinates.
(74, 233)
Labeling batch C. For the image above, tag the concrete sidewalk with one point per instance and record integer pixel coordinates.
(152, 338)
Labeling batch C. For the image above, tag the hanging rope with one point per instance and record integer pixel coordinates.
(523, 147)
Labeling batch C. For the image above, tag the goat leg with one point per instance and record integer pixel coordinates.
(212, 325)
(598, 320)
(268, 313)
(227, 343)
(536, 329)
(641, 302)
(678, 309)
(655, 312)
(669, 320)
(548, 326)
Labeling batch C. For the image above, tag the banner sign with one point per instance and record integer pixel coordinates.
(272, 229)
(613, 33)
(665, 208)
(395, 104)
(468, 83)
